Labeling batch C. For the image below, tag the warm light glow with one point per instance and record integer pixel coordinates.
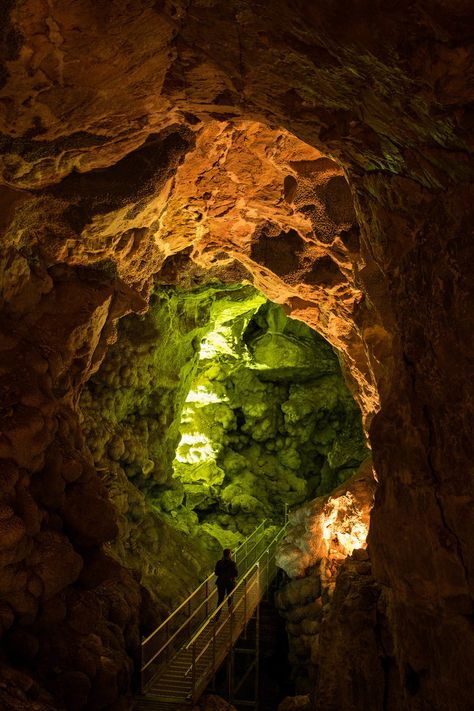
(342, 525)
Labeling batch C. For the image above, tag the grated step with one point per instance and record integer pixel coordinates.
(171, 687)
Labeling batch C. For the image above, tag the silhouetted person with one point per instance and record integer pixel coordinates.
(226, 571)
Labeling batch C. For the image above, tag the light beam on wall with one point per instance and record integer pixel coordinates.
(201, 395)
(194, 448)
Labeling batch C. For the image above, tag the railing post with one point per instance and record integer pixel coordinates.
(193, 683)
(245, 600)
(214, 649)
(207, 598)
(141, 667)
(258, 581)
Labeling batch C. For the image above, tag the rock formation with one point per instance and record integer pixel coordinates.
(319, 151)
(213, 412)
(325, 538)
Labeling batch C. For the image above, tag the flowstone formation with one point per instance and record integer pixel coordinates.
(268, 422)
(212, 412)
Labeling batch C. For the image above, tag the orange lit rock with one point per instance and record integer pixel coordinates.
(329, 527)
(322, 536)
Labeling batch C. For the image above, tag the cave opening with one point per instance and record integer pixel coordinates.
(214, 411)
(218, 405)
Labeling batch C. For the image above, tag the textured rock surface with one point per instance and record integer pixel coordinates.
(292, 703)
(18, 692)
(212, 412)
(354, 623)
(55, 513)
(329, 527)
(321, 536)
(148, 136)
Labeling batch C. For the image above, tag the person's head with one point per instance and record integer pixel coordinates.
(227, 553)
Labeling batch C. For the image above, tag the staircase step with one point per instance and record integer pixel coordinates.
(172, 685)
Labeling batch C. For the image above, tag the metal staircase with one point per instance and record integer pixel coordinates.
(182, 655)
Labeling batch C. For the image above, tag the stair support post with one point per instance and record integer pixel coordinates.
(193, 681)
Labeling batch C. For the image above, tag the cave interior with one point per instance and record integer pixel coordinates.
(236, 281)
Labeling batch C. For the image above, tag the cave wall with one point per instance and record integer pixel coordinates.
(330, 600)
(132, 132)
(78, 639)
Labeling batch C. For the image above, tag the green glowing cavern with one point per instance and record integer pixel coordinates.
(213, 411)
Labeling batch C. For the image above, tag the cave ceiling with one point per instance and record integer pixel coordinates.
(143, 130)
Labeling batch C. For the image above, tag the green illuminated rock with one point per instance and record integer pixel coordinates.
(218, 410)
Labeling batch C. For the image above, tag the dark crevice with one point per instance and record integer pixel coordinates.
(278, 252)
(129, 182)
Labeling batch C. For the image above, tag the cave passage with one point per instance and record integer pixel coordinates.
(324, 157)
(212, 412)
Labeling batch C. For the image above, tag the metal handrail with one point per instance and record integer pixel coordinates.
(195, 592)
(241, 582)
(244, 583)
(261, 572)
(187, 602)
(213, 594)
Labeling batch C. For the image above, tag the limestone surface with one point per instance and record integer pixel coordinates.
(325, 538)
(321, 151)
(330, 527)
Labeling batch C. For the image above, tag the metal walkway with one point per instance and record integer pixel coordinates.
(182, 655)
